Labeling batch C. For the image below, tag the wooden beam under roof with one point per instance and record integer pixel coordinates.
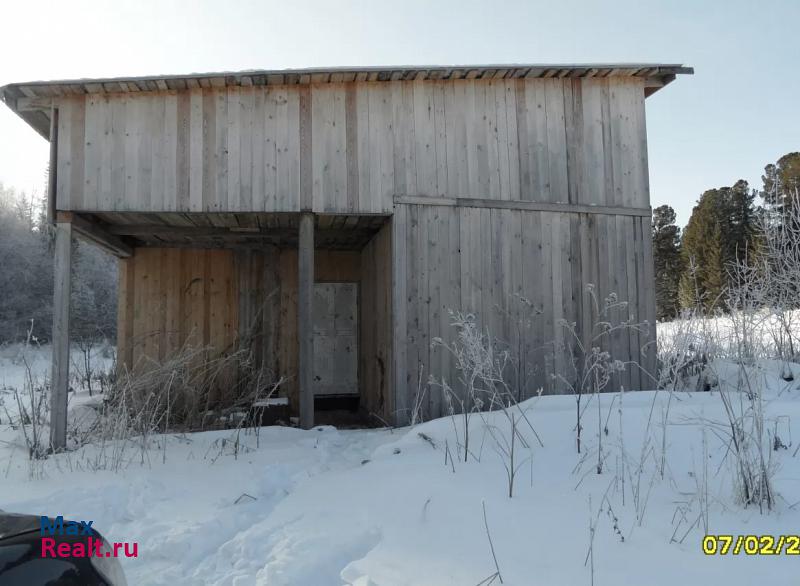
(95, 234)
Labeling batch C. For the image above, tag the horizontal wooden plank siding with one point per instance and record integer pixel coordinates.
(539, 281)
(352, 147)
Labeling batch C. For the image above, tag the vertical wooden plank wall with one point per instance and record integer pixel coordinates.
(352, 147)
(171, 297)
(524, 275)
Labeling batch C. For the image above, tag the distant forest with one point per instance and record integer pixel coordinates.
(727, 224)
(26, 277)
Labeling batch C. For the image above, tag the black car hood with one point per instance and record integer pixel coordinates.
(12, 524)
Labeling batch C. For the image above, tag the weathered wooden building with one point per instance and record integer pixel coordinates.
(329, 218)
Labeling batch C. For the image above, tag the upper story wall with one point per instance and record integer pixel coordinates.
(352, 147)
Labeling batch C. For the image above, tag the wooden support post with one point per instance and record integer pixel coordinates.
(305, 329)
(62, 267)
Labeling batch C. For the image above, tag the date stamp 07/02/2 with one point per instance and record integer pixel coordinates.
(751, 544)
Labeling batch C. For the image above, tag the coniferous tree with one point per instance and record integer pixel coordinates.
(667, 260)
(721, 230)
(781, 182)
(714, 275)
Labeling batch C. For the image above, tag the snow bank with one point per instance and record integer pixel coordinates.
(381, 507)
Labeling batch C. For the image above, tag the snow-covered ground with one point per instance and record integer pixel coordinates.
(720, 336)
(392, 507)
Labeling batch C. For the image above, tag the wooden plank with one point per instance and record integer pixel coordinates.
(400, 137)
(424, 138)
(288, 323)
(209, 158)
(440, 137)
(125, 289)
(52, 168)
(523, 140)
(149, 287)
(64, 165)
(271, 310)
(530, 266)
(538, 145)
(170, 342)
(146, 124)
(400, 403)
(617, 341)
(195, 279)
(640, 146)
(105, 193)
(584, 280)
(416, 281)
(62, 270)
(438, 242)
(93, 152)
(625, 234)
(336, 151)
(220, 302)
(220, 197)
(556, 140)
(182, 151)
(592, 162)
(616, 128)
(647, 286)
(573, 124)
(513, 291)
(305, 300)
(382, 201)
(244, 194)
(365, 155)
(512, 138)
(419, 331)
(554, 246)
(276, 132)
(260, 139)
(294, 151)
(522, 205)
(546, 302)
(306, 194)
(197, 132)
(500, 144)
(351, 147)
(320, 122)
(77, 150)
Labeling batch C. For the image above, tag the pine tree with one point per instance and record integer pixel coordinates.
(781, 182)
(667, 261)
(721, 230)
(713, 272)
(740, 232)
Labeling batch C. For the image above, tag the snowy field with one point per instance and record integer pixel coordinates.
(396, 507)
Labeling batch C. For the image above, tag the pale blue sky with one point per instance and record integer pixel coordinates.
(738, 112)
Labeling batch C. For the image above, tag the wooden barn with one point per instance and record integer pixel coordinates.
(329, 219)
